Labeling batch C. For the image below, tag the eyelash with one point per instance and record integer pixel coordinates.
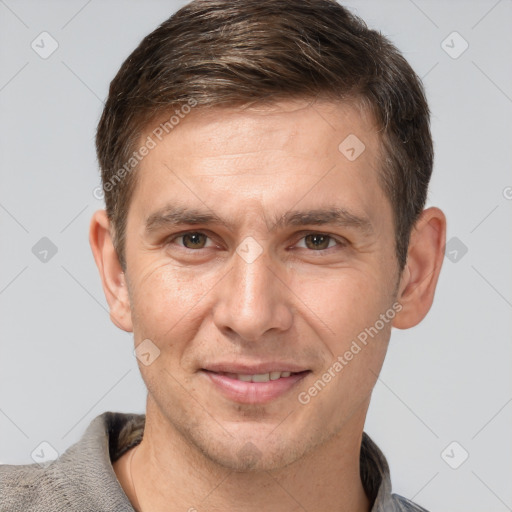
(339, 242)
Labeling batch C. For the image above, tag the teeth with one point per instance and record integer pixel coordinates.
(259, 377)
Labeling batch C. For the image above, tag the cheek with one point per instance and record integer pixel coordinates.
(348, 311)
(164, 299)
(343, 302)
(356, 354)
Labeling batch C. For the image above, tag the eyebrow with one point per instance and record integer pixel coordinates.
(171, 215)
(334, 216)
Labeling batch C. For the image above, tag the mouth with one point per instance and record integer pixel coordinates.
(258, 377)
(254, 388)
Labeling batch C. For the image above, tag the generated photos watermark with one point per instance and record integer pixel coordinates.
(355, 348)
(150, 143)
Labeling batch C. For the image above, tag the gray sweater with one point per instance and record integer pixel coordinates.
(82, 479)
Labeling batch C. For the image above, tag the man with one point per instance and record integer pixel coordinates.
(265, 167)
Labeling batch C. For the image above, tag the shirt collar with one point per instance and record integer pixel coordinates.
(126, 431)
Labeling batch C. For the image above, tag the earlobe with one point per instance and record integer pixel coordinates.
(112, 276)
(424, 261)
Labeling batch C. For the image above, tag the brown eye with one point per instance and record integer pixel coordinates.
(194, 240)
(317, 241)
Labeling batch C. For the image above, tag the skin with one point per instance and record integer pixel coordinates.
(199, 302)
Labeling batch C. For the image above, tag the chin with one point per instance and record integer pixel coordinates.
(246, 456)
(253, 449)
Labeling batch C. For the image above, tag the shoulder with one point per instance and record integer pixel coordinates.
(401, 504)
(377, 481)
(26, 488)
(82, 478)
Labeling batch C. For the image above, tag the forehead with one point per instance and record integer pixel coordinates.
(271, 154)
(299, 126)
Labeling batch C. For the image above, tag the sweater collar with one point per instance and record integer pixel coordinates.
(112, 434)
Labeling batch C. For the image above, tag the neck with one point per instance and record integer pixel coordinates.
(170, 475)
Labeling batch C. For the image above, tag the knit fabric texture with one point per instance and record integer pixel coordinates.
(82, 479)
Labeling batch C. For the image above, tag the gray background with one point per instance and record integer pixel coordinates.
(62, 361)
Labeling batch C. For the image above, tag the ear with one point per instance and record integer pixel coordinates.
(112, 276)
(424, 260)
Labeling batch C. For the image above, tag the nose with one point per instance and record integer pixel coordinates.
(253, 299)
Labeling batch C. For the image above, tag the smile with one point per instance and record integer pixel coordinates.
(258, 377)
(254, 388)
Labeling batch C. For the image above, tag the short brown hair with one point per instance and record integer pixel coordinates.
(240, 52)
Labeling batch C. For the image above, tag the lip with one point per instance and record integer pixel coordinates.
(253, 392)
(254, 368)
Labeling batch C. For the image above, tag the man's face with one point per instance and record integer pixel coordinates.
(274, 283)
